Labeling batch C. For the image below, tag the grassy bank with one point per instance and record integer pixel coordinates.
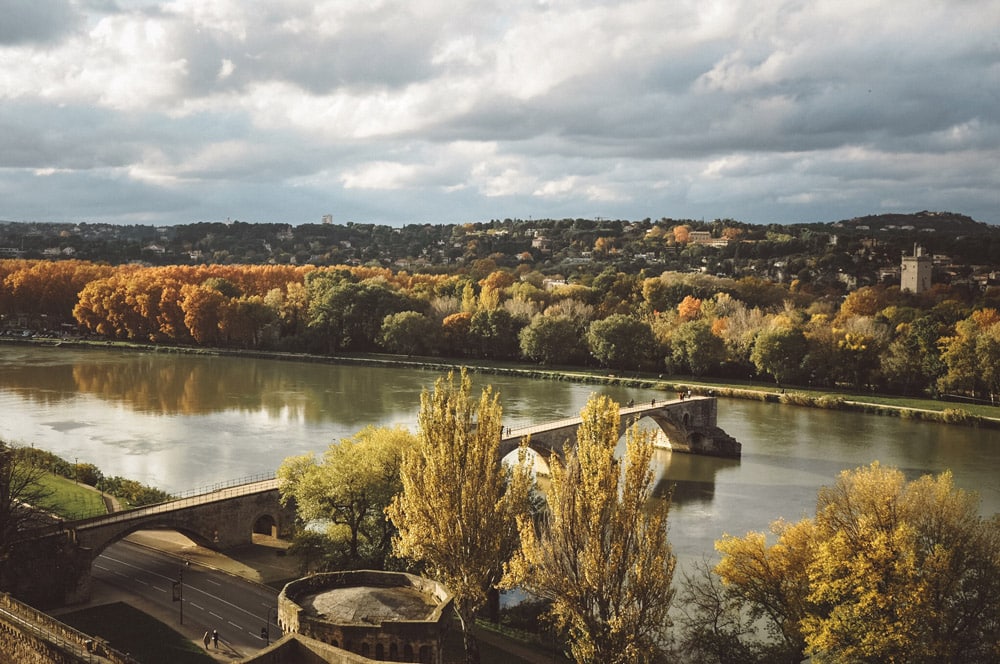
(70, 500)
(131, 631)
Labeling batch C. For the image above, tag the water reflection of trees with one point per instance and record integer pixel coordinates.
(179, 385)
(282, 391)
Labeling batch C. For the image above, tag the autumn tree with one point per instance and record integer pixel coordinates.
(689, 308)
(455, 333)
(601, 553)
(347, 492)
(457, 511)
(887, 571)
(965, 354)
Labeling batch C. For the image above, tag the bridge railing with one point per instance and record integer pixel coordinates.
(216, 492)
(228, 484)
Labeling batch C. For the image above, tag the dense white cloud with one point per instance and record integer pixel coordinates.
(424, 110)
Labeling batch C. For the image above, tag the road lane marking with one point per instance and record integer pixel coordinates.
(145, 583)
(197, 606)
(162, 590)
(235, 625)
(188, 587)
(213, 613)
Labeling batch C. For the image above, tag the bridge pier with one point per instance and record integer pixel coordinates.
(689, 425)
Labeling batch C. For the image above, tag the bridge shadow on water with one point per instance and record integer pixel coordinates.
(691, 477)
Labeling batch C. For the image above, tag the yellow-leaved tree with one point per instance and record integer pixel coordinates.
(601, 553)
(887, 571)
(457, 513)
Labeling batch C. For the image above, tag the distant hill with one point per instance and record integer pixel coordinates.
(951, 223)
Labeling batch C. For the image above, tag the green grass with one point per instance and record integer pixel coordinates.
(131, 631)
(69, 499)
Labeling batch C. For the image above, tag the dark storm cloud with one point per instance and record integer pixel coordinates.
(36, 21)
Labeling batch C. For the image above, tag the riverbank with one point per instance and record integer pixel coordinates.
(870, 403)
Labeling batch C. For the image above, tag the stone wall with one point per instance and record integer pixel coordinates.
(396, 640)
(28, 636)
(299, 649)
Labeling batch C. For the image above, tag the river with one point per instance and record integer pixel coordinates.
(181, 422)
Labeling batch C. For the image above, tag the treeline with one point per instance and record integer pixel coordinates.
(876, 337)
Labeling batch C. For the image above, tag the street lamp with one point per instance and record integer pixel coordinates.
(179, 591)
(265, 631)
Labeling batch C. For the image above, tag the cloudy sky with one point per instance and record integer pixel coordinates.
(412, 111)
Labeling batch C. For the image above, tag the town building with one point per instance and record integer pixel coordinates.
(915, 272)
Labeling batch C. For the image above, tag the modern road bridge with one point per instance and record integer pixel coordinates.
(222, 517)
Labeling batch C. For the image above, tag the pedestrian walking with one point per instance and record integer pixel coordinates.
(215, 638)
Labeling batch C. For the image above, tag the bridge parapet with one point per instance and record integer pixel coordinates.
(689, 425)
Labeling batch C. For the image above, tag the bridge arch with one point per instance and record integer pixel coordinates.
(220, 519)
(265, 524)
(689, 425)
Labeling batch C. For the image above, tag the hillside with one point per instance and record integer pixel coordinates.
(943, 222)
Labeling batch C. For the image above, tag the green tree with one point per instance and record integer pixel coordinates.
(348, 492)
(988, 354)
(458, 508)
(348, 315)
(601, 553)
(408, 333)
(695, 348)
(621, 341)
(551, 340)
(779, 351)
(493, 334)
(912, 362)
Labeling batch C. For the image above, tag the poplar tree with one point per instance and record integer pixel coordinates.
(458, 508)
(601, 553)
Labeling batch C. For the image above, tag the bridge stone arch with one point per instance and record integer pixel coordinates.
(690, 426)
(219, 520)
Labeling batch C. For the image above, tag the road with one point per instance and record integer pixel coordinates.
(212, 600)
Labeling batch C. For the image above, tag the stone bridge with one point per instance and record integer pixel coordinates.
(688, 425)
(222, 518)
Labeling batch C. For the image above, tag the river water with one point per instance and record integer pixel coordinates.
(182, 422)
